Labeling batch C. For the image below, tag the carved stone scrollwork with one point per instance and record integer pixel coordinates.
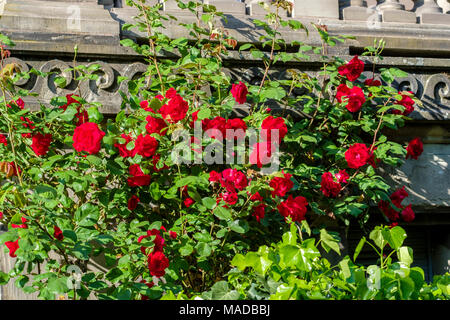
(437, 91)
(409, 83)
(94, 89)
(22, 66)
(47, 87)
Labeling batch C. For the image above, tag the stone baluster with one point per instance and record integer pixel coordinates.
(394, 11)
(445, 5)
(255, 9)
(316, 8)
(429, 12)
(233, 7)
(359, 11)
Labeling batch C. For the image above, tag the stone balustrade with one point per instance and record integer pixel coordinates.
(401, 11)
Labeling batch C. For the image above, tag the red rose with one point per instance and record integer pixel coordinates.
(88, 137)
(355, 97)
(133, 202)
(407, 102)
(259, 211)
(342, 176)
(146, 145)
(414, 148)
(1, 215)
(138, 177)
(232, 178)
(329, 187)
(271, 123)
(156, 125)
(294, 208)
(175, 109)
(20, 226)
(171, 93)
(398, 196)
(188, 202)
(230, 198)
(157, 264)
(12, 246)
(239, 92)
(172, 234)
(357, 155)
(123, 151)
(215, 128)
(235, 128)
(57, 233)
(194, 118)
(158, 242)
(261, 153)
(408, 214)
(155, 160)
(372, 82)
(388, 211)
(281, 186)
(3, 140)
(352, 70)
(256, 197)
(41, 143)
(214, 176)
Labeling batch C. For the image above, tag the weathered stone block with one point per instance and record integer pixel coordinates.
(399, 16)
(359, 14)
(435, 18)
(317, 8)
(426, 179)
(228, 6)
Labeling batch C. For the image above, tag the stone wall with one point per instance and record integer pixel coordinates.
(417, 35)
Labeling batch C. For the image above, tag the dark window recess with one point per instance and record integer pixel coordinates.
(430, 245)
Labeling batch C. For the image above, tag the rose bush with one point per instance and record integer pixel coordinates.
(79, 188)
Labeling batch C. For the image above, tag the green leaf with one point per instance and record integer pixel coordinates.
(186, 250)
(245, 46)
(4, 278)
(204, 113)
(203, 249)
(82, 250)
(239, 226)
(222, 213)
(220, 291)
(377, 237)
(209, 203)
(359, 248)
(394, 236)
(329, 241)
(57, 285)
(94, 115)
(405, 255)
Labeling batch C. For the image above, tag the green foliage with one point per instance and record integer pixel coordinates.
(88, 196)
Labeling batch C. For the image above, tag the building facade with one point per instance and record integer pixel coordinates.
(417, 35)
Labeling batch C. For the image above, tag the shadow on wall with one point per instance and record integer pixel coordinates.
(426, 179)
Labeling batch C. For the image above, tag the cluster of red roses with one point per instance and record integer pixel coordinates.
(355, 98)
(262, 151)
(232, 180)
(157, 261)
(397, 197)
